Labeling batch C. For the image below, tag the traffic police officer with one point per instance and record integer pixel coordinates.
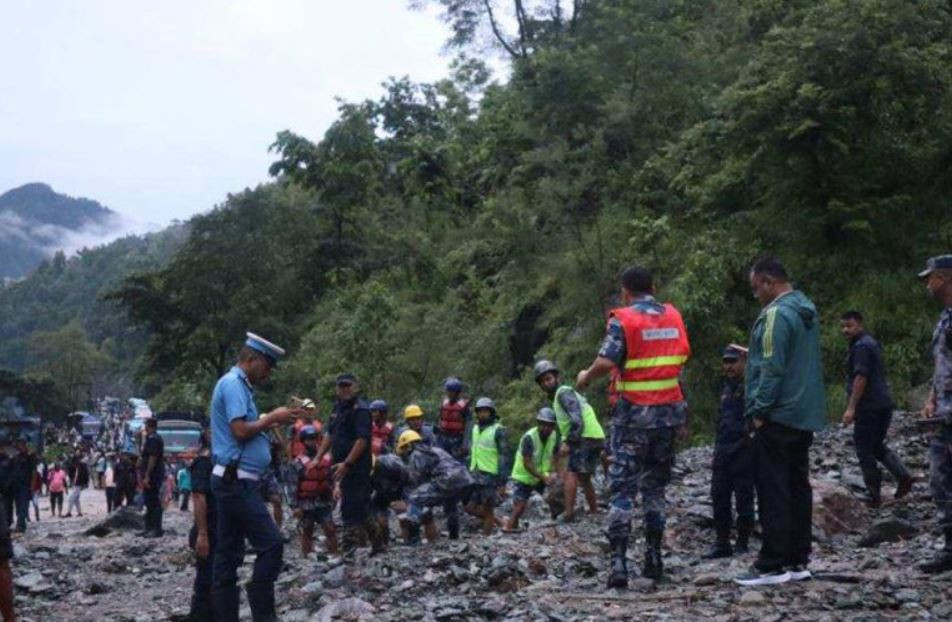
(647, 342)
(938, 280)
(241, 452)
(732, 471)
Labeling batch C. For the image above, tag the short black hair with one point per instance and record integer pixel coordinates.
(770, 266)
(637, 280)
(852, 314)
(152, 424)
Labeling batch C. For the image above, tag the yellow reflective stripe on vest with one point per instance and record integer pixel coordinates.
(656, 361)
(647, 385)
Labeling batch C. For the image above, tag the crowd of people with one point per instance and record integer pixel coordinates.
(359, 465)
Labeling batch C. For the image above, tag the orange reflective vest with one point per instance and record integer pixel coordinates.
(657, 348)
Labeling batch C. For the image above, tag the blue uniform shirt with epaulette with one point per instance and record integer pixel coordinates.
(731, 423)
(233, 398)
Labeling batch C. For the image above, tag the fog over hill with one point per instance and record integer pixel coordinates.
(36, 221)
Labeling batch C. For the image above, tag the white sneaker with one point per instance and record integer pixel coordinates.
(757, 577)
(799, 573)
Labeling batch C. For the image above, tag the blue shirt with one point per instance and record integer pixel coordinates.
(234, 399)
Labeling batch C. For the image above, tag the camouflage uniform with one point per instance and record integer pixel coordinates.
(940, 448)
(436, 478)
(642, 445)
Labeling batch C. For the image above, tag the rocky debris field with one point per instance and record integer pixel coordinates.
(78, 569)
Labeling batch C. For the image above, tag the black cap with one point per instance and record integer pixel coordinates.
(346, 378)
(733, 352)
(939, 262)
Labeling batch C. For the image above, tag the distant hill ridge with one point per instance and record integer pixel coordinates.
(35, 221)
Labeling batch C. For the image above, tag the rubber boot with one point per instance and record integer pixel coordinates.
(653, 568)
(899, 471)
(350, 539)
(873, 479)
(452, 526)
(261, 601)
(943, 561)
(743, 537)
(618, 574)
(375, 536)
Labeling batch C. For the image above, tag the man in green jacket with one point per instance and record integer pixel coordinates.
(785, 398)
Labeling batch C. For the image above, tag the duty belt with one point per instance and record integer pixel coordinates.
(219, 470)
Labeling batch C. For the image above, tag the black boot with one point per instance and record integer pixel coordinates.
(743, 536)
(413, 534)
(618, 575)
(722, 545)
(943, 561)
(452, 526)
(261, 601)
(375, 536)
(653, 568)
(873, 479)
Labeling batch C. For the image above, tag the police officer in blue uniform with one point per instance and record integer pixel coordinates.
(732, 471)
(241, 454)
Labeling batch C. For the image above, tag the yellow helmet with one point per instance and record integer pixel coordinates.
(406, 439)
(412, 411)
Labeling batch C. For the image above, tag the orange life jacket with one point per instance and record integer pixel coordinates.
(657, 348)
(315, 482)
(451, 416)
(379, 435)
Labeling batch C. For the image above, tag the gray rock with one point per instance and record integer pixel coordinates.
(347, 609)
(892, 529)
(752, 598)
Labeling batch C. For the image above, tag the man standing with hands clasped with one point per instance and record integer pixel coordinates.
(786, 401)
(348, 439)
(241, 453)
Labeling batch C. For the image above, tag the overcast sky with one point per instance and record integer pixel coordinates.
(159, 109)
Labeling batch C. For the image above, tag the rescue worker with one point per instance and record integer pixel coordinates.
(413, 420)
(869, 408)
(455, 421)
(533, 467)
(938, 280)
(348, 440)
(389, 481)
(241, 453)
(488, 462)
(582, 436)
(381, 435)
(732, 471)
(435, 479)
(313, 500)
(202, 536)
(648, 343)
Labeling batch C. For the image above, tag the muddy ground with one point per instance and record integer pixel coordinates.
(549, 572)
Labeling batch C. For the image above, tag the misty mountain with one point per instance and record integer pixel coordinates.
(36, 221)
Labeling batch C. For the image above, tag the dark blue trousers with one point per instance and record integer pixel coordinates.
(242, 515)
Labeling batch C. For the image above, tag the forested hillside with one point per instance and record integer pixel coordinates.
(34, 220)
(57, 325)
(468, 226)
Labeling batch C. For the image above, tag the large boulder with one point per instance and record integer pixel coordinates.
(124, 518)
(836, 511)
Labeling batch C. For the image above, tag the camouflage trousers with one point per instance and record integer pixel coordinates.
(940, 474)
(641, 462)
